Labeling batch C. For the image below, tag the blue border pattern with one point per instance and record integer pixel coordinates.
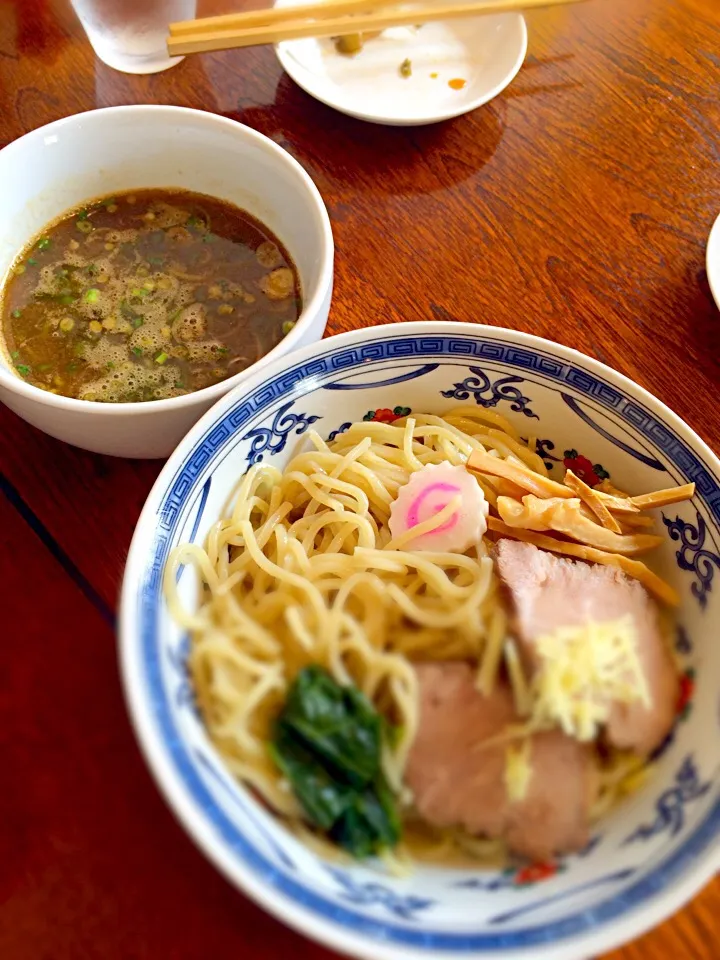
(549, 367)
(405, 908)
(169, 512)
(388, 382)
(525, 909)
(642, 457)
(273, 439)
(693, 554)
(670, 805)
(499, 390)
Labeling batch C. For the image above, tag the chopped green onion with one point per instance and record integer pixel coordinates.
(139, 293)
(44, 243)
(222, 349)
(161, 358)
(179, 385)
(84, 226)
(137, 351)
(92, 294)
(23, 369)
(137, 322)
(111, 366)
(210, 238)
(15, 354)
(287, 326)
(67, 298)
(17, 313)
(44, 366)
(83, 215)
(31, 261)
(71, 367)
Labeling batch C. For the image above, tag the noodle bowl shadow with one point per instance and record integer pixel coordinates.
(648, 856)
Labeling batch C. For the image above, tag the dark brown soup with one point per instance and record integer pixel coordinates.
(147, 295)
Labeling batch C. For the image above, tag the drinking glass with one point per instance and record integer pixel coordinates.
(130, 35)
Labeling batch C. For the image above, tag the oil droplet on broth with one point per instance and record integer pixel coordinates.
(457, 83)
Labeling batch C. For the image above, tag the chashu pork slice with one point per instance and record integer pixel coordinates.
(458, 781)
(550, 592)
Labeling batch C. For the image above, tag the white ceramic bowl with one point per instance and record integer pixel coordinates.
(68, 162)
(649, 855)
(712, 261)
(485, 52)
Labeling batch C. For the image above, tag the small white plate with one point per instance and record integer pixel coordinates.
(712, 261)
(484, 52)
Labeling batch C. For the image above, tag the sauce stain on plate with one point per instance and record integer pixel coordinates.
(457, 83)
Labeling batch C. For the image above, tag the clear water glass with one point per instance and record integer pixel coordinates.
(131, 35)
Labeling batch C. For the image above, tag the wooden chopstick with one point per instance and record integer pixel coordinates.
(270, 15)
(287, 25)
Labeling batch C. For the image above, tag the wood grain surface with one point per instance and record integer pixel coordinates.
(576, 206)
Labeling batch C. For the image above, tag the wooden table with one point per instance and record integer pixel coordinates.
(575, 206)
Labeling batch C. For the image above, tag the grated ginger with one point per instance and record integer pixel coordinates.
(583, 670)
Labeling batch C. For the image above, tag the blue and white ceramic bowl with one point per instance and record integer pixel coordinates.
(646, 858)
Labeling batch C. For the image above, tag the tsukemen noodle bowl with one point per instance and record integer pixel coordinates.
(149, 257)
(418, 626)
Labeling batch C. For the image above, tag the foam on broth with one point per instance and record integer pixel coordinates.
(147, 295)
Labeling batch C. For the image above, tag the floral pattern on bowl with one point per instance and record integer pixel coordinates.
(591, 473)
(385, 415)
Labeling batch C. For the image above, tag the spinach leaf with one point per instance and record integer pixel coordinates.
(352, 834)
(371, 824)
(327, 742)
(389, 827)
(338, 723)
(323, 799)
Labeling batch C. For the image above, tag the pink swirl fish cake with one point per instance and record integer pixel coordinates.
(429, 491)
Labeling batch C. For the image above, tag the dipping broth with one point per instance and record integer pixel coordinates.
(147, 295)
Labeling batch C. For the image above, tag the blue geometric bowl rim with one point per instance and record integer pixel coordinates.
(295, 372)
(170, 745)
